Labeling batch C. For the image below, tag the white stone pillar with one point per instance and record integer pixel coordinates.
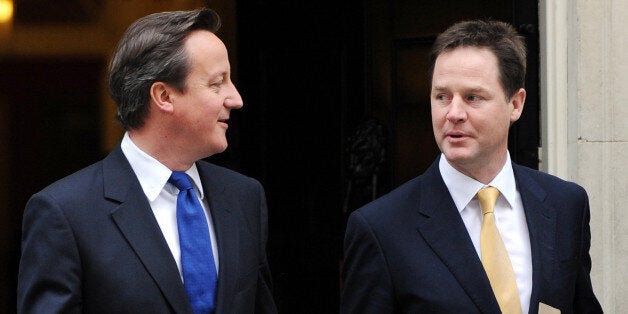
(584, 71)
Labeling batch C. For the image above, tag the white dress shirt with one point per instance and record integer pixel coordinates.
(162, 196)
(509, 217)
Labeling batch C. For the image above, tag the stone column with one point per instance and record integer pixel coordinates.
(585, 124)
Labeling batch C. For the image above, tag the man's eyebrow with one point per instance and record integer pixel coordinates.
(473, 89)
(218, 74)
(477, 89)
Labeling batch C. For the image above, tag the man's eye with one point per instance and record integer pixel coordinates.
(474, 98)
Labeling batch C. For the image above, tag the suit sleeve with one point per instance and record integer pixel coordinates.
(50, 271)
(367, 285)
(585, 300)
(264, 301)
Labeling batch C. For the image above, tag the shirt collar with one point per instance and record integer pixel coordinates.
(463, 188)
(152, 174)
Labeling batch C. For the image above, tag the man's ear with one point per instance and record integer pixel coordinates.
(161, 95)
(517, 101)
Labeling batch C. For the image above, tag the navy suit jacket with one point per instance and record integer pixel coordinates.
(409, 251)
(91, 244)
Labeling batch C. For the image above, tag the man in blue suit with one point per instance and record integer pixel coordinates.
(421, 248)
(106, 239)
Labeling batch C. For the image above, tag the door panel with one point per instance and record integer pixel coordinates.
(317, 77)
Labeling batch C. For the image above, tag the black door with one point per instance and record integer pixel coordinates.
(337, 112)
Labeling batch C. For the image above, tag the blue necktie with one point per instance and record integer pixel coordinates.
(197, 259)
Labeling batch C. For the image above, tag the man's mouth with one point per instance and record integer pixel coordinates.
(455, 134)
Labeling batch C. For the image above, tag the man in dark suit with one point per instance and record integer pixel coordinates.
(427, 247)
(106, 239)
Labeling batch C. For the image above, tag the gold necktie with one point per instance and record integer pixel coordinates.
(495, 257)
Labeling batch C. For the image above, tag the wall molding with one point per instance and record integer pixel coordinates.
(554, 34)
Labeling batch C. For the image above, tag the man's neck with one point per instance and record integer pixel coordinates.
(158, 148)
(484, 173)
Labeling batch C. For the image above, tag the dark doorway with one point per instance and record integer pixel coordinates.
(312, 73)
(51, 111)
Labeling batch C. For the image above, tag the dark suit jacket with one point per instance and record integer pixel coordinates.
(409, 251)
(91, 244)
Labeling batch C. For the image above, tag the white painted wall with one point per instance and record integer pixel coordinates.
(584, 52)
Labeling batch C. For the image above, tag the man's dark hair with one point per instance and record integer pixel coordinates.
(152, 50)
(499, 37)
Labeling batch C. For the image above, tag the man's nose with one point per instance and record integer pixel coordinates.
(234, 100)
(457, 110)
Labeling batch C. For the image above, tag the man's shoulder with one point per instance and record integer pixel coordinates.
(223, 174)
(69, 194)
(204, 165)
(549, 188)
(84, 178)
(549, 182)
(393, 203)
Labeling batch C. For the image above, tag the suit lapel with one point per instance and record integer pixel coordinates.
(442, 228)
(541, 220)
(226, 229)
(137, 223)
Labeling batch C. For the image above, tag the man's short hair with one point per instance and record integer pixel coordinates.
(151, 50)
(499, 37)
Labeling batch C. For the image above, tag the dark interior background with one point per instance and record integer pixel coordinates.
(336, 112)
(313, 74)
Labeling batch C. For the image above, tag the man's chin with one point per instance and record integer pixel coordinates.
(216, 149)
(457, 156)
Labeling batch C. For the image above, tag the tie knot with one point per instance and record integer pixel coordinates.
(180, 180)
(488, 197)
